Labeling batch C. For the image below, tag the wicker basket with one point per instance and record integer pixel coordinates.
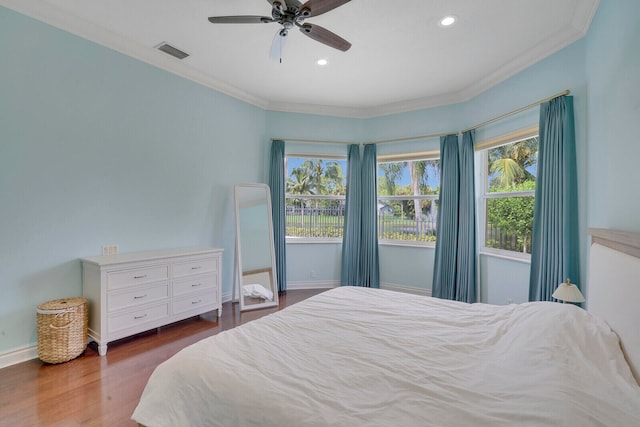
(62, 329)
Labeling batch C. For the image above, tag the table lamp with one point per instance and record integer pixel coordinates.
(568, 292)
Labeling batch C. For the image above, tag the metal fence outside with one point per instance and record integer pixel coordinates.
(315, 217)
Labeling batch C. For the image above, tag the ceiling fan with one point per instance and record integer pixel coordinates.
(292, 13)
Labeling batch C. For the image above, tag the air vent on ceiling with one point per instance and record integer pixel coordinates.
(170, 50)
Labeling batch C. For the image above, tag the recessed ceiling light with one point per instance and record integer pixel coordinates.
(448, 21)
(322, 62)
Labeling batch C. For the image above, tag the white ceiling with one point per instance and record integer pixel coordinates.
(401, 59)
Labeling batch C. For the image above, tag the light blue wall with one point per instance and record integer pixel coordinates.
(613, 73)
(503, 281)
(563, 70)
(314, 127)
(98, 148)
(407, 266)
(315, 264)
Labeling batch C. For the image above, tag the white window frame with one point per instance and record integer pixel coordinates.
(312, 156)
(424, 155)
(484, 195)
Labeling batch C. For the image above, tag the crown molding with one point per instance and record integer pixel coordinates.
(45, 12)
(322, 110)
(51, 15)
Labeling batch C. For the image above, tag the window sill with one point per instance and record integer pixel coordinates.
(407, 244)
(315, 241)
(309, 240)
(523, 258)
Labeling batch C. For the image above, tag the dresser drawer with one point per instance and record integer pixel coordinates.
(138, 317)
(120, 279)
(144, 295)
(195, 284)
(193, 267)
(193, 302)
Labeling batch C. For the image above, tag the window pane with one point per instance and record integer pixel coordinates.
(510, 223)
(395, 178)
(308, 214)
(396, 221)
(403, 186)
(512, 165)
(322, 218)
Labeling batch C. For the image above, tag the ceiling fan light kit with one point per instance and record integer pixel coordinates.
(292, 13)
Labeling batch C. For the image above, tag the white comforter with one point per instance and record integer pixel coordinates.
(364, 357)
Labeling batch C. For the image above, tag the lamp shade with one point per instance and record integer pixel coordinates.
(568, 292)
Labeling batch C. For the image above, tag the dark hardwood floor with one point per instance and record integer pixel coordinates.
(103, 391)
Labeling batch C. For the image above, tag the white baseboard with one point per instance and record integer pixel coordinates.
(313, 285)
(336, 283)
(406, 289)
(18, 355)
(226, 297)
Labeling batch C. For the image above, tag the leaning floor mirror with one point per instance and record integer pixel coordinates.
(255, 269)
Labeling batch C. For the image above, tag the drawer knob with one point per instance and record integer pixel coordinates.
(140, 277)
(139, 296)
(140, 317)
(193, 285)
(196, 302)
(196, 268)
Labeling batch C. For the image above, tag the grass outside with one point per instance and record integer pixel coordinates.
(332, 226)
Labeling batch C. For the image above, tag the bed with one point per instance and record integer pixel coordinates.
(367, 357)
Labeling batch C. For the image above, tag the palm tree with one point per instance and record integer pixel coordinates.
(315, 170)
(335, 183)
(299, 184)
(508, 171)
(510, 162)
(392, 171)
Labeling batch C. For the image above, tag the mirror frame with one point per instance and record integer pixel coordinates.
(237, 282)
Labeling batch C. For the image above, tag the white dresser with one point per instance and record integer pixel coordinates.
(134, 292)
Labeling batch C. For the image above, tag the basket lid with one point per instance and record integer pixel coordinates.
(62, 304)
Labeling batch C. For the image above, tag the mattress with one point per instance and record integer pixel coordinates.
(368, 357)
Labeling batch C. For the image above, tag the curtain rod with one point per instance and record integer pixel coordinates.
(410, 138)
(519, 110)
(318, 141)
(435, 135)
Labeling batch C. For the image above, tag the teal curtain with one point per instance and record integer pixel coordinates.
(369, 266)
(466, 289)
(350, 270)
(276, 184)
(554, 255)
(444, 271)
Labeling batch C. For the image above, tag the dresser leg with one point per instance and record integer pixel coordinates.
(220, 312)
(102, 349)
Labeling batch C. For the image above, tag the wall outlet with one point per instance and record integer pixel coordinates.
(110, 249)
(509, 300)
(313, 274)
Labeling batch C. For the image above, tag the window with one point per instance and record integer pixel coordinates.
(509, 179)
(408, 198)
(315, 197)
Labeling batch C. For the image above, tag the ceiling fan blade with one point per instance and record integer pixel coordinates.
(325, 36)
(240, 19)
(318, 7)
(278, 45)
